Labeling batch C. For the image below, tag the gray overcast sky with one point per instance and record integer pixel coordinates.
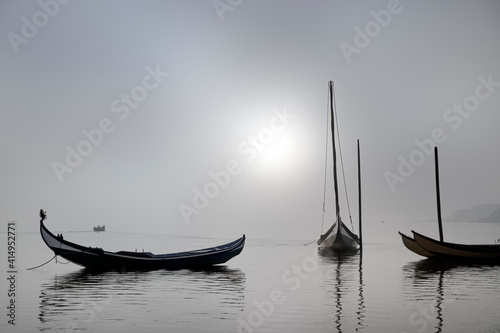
(154, 96)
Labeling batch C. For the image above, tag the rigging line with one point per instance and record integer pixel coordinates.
(326, 166)
(341, 158)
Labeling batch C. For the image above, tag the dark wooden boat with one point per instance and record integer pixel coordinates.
(429, 247)
(454, 250)
(97, 258)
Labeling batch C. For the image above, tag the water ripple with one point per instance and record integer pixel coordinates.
(79, 300)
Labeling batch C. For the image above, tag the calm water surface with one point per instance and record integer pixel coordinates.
(273, 286)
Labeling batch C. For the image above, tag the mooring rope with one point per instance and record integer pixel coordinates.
(54, 257)
(309, 242)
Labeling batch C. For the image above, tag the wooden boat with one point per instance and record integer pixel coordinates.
(338, 237)
(429, 247)
(454, 250)
(97, 258)
(100, 228)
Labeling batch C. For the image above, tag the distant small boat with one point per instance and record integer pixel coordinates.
(99, 259)
(99, 228)
(429, 247)
(338, 237)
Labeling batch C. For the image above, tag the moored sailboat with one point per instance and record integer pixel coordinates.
(338, 237)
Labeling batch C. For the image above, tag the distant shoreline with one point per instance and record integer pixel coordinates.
(484, 213)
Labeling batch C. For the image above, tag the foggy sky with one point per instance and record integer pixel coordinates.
(162, 96)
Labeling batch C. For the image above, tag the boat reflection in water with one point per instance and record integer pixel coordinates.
(440, 291)
(344, 288)
(114, 301)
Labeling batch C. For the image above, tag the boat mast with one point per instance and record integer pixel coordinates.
(440, 223)
(359, 200)
(335, 186)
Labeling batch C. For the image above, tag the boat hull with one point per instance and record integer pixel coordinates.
(454, 250)
(338, 238)
(96, 258)
(412, 245)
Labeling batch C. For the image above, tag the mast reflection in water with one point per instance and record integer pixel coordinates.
(343, 288)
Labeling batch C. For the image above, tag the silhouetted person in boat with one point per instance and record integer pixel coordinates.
(43, 215)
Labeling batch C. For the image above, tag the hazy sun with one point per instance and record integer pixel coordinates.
(277, 156)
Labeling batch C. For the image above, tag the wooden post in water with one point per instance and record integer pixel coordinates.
(440, 223)
(359, 199)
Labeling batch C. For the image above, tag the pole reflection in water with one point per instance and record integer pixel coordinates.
(340, 285)
(115, 301)
(439, 302)
(438, 290)
(361, 299)
(426, 276)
